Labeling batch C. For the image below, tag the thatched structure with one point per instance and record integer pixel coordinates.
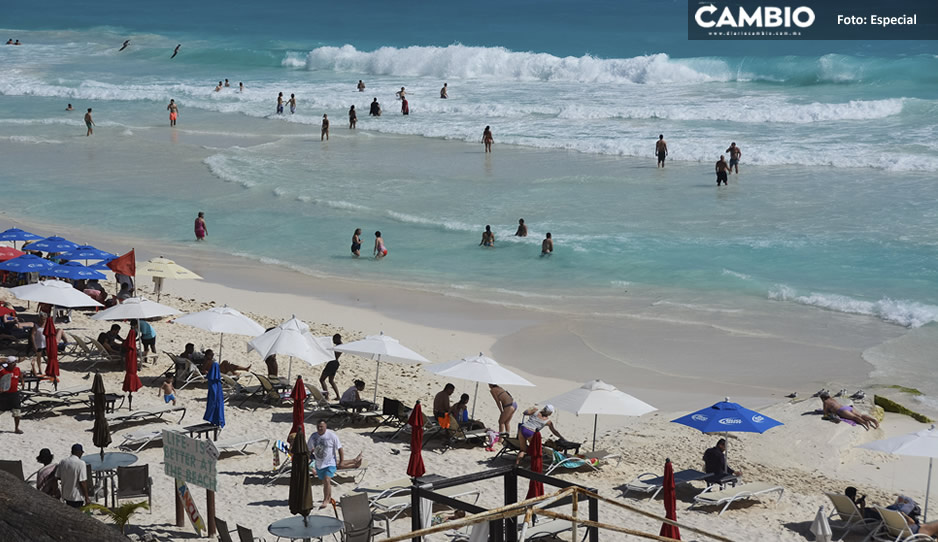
(27, 514)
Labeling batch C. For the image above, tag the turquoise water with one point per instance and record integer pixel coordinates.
(834, 206)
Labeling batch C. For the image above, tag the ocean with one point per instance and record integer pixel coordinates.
(833, 208)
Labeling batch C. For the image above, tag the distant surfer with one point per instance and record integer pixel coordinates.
(661, 149)
(175, 51)
(487, 139)
(325, 128)
(488, 238)
(375, 108)
(352, 118)
(443, 92)
(280, 103)
(405, 107)
(722, 168)
(124, 46)
(361, 86)
(547, 245)
(292, 102)
(89, 122)
(400, 94)
(735, 155)
(522, 229)
(173, 112)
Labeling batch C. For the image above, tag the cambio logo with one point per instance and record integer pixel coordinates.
(760, 17)
(730, 421)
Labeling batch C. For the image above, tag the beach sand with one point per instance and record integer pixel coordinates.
(676, 366)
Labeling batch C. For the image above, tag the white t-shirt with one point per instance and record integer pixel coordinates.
(39, 339)
(325, 448)
(72, 472)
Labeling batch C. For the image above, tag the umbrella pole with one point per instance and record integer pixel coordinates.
(290, 369)
(377, 369)
(595, 422)
(474, 395)
(927, 491)
(221, 342)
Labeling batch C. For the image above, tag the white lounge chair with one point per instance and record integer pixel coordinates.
(849, 516)
(139, 440)
(895, 528)
(650, 482)
(714, 496)
(239, 445)
(393, 498)
(142, 414)
(190, 373)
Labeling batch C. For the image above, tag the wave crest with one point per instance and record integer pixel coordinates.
(895, 311)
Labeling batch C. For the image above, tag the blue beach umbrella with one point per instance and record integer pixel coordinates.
(101, 266)
(27, 263)
(53, 244)
(16, 234)
(215, 405)
(74, 271)
(86, 252)
(724, 417)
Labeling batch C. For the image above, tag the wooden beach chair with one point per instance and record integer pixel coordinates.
(650, 482)
(714, 496)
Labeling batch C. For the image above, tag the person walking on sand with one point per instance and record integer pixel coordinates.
(735, 155)
(443, 94)
(352, 118)
(357, 242)
(547, 245)
(661, 149)
(325, 128)
(488, 238)
(201, 230)
(280, 103)
(487, 139)
(522, 229)
(329, 456)
(405, 107)
(89, 123)
(721, 168)
(175, 51)
(361, 86)
(375, 108)
(380, 250)
(292, 102)
(331, 368)
(173, 112)
(124, 46)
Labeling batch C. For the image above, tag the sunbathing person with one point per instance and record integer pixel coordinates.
(910, 510)
(534, 422)
(111, 340)
(832, 407)
(228, 368)
(352, 398)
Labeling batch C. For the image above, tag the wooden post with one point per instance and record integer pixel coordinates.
(594, 516)
(180, 510)
(210, 511)
(511, 497)
(576, 505)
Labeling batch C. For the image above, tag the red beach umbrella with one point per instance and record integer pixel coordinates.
(536, 489)
(8, 253)
(52, 350)
(415, 468)
(299, 414)
(670, 503)
(131, 380)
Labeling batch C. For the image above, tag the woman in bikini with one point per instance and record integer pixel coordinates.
(488, 238)
(380, 250)
(506, 405)
(357, 242)
(535, 421)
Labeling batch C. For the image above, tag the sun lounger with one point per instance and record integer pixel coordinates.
(650, 482)
(849, 516)
(283, 447)
(895, 528)
(391, 499)
(142, 414)
(34, 404)
(560, 460)
(102, 352)
(395, 416)
(714, 496)
(239, 446)
(545, 529)
(139, 440)
(90, 353)
(190, 373)
(456, 434)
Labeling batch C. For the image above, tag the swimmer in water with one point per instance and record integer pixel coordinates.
(69, 108)
(361, 86)
(357, 242)
(173, 112)
(547, 245)
(325, 128)
(175, 51)
(488, 238)
(487, 139)
(226, 84)
(240, 87)
(522, 229)
(443, 92)
(124, 46)
(375, 108)
(218, 88)
(380, 250)
(292, 102)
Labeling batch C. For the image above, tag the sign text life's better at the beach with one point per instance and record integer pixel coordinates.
(191, 460)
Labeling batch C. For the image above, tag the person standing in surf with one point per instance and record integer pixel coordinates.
(547, 245)
(380, 250)
(735, 155)
(325, 128)
(280, 103)
(405, 107)
(357, 242)
(352, 118)
(292, 102)
(201, 230)
(487, 139)
(443, 93)
(522, 229)
(361, 86)
(722, 168)
(661, 149)
(89, 123)
(375, 108)
(173, 112)
(488, 238)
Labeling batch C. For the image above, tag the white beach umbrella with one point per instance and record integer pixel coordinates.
(54, 292)
(596, 397)
(135, 308)
(821, 528)
(291, 338)
(162, 268)
(326, 343)
(222, 320)
(380, 348)
(922, 443)
(477, 369)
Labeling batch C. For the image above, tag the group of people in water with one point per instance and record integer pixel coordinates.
(11, 42)
(722, 168)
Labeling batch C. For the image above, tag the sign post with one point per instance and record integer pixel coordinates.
(192, 461)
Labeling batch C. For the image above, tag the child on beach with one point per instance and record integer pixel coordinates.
(380, 250)
(167, 390)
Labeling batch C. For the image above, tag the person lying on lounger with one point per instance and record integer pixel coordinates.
(832, 407)
(910, 510)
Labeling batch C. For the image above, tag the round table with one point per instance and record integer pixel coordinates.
(315, 527)
(108, 467)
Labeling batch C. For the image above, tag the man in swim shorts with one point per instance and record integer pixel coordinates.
(292, 103)
(173, 112)
(721, 168)
(280, 103)
(375, 108)
(361, 86)
(328, 373)
(89, 122)
(661, 149)
(735, 155)
(325, 128)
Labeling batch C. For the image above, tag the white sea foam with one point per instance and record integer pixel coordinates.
(220, 166)
(902, 312)
(741, 276)
(31, 139)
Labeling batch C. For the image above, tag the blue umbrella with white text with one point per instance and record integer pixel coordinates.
(726, 417)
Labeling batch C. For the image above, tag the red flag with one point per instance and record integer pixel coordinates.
(131, 380)
(125, 265)
(536, 489)
(52, 350)
(415, 468)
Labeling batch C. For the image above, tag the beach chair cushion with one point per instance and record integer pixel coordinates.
(712, 496)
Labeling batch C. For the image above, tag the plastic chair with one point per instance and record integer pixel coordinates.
(133, 482)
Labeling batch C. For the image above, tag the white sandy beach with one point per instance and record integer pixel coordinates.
(677, 366)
